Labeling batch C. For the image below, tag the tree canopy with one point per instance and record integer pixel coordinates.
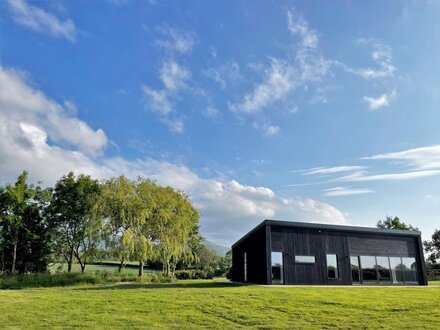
(394, 223)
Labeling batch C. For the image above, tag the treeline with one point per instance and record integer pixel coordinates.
(82, 220)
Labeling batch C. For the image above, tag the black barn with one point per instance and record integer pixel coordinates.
(281, 252)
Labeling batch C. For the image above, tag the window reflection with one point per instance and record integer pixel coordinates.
(332, 266)
(355, 270)
(277, 267)
(383, 270)
(409, 269)
(369, 274)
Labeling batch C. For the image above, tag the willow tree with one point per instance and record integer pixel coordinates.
(174, 220)
(127, 207)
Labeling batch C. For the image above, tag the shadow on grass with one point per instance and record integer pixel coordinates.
(197, 285)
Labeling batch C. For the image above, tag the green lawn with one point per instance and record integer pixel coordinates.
(210, 304)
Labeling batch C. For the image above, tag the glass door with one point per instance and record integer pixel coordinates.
(277, 268)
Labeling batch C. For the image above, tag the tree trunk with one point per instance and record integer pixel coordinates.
(121, 265)
(141, 269)
(83, 267)
(70, 261)
(14, 257)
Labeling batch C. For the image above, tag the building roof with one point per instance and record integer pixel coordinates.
(354, 229)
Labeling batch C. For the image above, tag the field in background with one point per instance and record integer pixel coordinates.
(131, 268)
(215, 304)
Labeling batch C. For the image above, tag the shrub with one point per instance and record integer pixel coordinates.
(194, 274)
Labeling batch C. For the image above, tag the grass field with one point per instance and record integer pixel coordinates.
(211, 304)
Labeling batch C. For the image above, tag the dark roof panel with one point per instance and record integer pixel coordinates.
(354, 229)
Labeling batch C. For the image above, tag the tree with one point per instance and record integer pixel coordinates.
(174, 220)
(78, 227)
(433, 247)
(127, 207)
(394, 223)
(17, 199)
(25, 231)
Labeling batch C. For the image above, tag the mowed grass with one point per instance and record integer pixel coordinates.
(211, 304)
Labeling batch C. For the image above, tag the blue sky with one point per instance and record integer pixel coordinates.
(323, 111)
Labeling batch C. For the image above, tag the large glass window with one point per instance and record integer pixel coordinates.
(332, 266)
(369, 273)
(277, 268)
(396, 270)
(355, 271)
(409, 269)
(383, 270)
(305, 259)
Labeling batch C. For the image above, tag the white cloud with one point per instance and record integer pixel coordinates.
(228, 207)
(382, 55)
(225, 75)
(38, 19)
(211, 112)
(278, 81)
(343, 191)
(303, 66)
(381, 101)
(332, 170)
(176, 125)
(175, 40)
(364, 177)
(267, 128)
(174, 76)
(419, 158)
(157, 101)
(298, 26)
(20, 103)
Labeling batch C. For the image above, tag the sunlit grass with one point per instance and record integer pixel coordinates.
(211, 304)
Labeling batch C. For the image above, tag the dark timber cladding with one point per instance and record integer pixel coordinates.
(281, 252)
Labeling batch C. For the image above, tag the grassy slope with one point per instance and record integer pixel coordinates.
(201, 304)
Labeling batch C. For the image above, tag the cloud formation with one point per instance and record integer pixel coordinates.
(20, 103)
(381, 101)
(37, 19)
(419, 158)
(30, 140)
(343, 191)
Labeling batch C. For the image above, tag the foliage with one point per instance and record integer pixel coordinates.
(201, 304)
(194, 274)
(68, 279)
(226, 265)
(433, 247)
(83, 220)
(78, 229)
(394, 223)
(25, 231)
(128, 205)
(174, 220)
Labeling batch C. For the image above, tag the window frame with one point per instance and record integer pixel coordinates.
(337, 266)
(305, 262)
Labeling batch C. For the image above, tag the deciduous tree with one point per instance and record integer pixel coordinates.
(78, 228)
(394, 223)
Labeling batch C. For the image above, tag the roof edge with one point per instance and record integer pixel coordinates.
(316, 225)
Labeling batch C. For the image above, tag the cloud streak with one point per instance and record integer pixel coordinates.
(37, 19)
(343, 191)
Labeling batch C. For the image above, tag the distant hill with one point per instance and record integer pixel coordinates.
(219, 249)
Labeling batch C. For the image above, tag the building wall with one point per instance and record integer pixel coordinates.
(319, 242)
(303, 241)
(255, 248)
